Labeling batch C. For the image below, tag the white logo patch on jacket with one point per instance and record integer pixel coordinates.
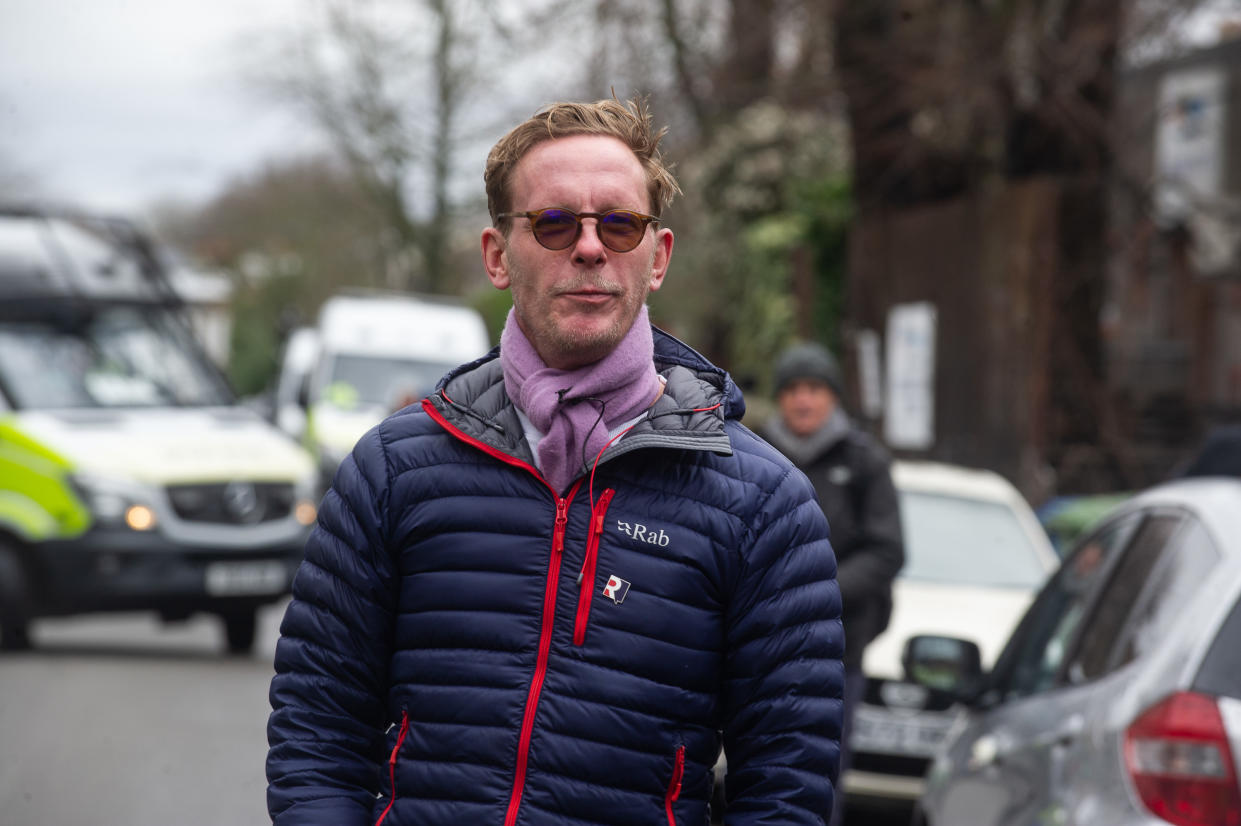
(643, 534)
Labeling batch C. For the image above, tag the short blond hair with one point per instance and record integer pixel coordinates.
(630, 122)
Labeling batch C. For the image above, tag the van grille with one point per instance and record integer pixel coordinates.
(232, 503)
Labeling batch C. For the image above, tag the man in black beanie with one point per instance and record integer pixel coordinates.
(850, 472)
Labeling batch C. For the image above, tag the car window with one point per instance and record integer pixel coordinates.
(1159, 568)
(961, 541)
(1037, 651)
(1185, 565)
(1221, 668)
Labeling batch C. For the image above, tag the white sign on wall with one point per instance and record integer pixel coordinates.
(870, 374)
(1189, 141)
(909, 422)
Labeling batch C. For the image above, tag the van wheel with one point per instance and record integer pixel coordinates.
(14, 636)
(239, 630)
(14, 602)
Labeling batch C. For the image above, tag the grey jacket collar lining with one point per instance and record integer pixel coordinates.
(688, 416)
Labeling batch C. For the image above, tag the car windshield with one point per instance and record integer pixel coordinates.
(115, 357)
(958, 541)
(376, 381)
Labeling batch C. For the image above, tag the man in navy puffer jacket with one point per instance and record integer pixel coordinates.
(548, 593)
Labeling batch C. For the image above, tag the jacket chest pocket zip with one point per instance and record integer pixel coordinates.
(586, 576)
(400, 740)
(674, 785)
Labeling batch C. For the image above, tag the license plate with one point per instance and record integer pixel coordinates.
(245, 578)
(878, 730)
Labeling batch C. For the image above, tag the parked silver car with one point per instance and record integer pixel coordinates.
(1118, 698)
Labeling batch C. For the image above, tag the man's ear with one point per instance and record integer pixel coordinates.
(495, 258)
(663, 254)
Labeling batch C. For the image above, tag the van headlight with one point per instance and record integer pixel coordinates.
(304, 509)
(117, 501)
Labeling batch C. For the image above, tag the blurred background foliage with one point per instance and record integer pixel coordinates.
(787, 118)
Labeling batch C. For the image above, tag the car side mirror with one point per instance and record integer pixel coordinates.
(946, 664)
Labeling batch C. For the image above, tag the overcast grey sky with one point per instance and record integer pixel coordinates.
(110, 104)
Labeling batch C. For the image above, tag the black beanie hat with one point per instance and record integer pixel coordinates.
(809, 361)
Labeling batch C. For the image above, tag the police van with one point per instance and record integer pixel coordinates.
(130, 477)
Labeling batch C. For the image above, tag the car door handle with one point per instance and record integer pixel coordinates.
(1066, 733)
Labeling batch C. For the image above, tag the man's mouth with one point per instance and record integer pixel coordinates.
(588, 294)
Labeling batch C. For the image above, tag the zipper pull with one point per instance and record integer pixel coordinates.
(562, 519)
(596, 530)
(400, 737)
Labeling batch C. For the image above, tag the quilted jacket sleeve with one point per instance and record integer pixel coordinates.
(784, 678)
(326, 727)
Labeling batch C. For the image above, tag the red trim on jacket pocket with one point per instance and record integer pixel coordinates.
(545, 647)
(586, 577)
(674, 786)
(400, 739)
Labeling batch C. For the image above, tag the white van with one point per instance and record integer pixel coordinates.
(130, 477)
(370, 354)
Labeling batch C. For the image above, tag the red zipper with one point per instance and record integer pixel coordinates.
(674, 786)
(549, 601)
(545, 646)
(586, 577)
(400, 738)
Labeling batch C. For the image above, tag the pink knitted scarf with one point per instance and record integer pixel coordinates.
(566, 405)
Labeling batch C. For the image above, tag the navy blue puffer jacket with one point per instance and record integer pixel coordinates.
(466, 646)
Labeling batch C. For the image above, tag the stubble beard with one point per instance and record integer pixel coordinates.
(568, 343)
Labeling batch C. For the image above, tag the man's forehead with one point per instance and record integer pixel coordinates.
(579, 166)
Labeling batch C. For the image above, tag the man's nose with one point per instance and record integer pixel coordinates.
(589, 248)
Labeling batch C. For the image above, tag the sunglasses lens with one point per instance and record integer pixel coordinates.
(555, 229)
(621, 230)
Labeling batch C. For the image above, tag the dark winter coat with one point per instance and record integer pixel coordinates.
(851, 474)
(466, 647)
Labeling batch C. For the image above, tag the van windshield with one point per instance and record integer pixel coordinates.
(117, 357)
(960, 541)
(355, 381)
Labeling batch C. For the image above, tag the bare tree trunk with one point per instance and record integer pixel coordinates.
(745, 75)
(437, 278)
(687, 83)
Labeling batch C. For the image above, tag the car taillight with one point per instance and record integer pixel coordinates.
(1178, 756)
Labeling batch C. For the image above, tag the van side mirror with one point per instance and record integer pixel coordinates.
(303, 392)
(945, 664)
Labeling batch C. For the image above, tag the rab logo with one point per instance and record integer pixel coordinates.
(643, 534)
(616, 589)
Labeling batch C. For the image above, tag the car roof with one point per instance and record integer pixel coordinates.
(937, 477)
(941, 479)
(1215, 500)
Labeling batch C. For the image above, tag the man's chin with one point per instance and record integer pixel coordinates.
(581, 349)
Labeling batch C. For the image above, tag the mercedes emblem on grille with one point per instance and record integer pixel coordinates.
(241, 501)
